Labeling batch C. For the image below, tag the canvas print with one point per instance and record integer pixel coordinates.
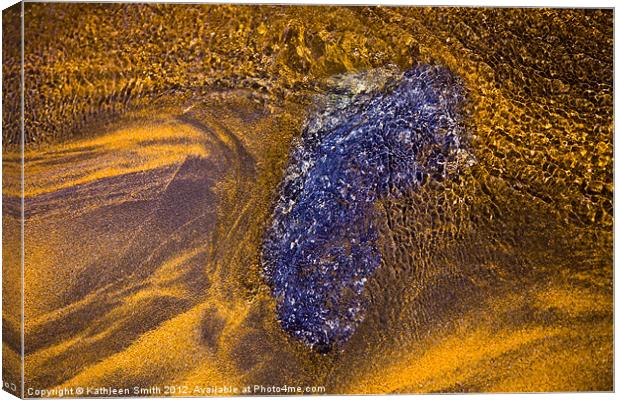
(205, 199)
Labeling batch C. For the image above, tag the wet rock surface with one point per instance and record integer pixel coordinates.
(321, 247)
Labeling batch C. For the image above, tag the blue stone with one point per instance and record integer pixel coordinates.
(320, 249)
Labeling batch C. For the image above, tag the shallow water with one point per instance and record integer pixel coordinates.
(155, 166)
